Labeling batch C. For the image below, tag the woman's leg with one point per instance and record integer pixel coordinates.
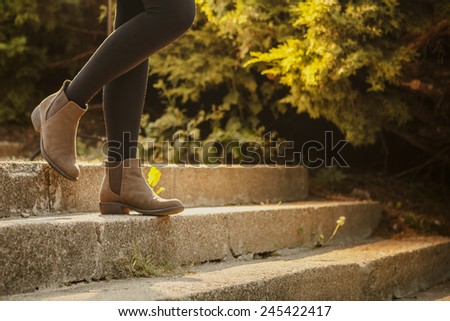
(123, 98)
(123, 186)
(143, 27)
(126, 50)
(162, 22)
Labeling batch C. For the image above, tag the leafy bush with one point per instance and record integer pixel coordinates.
(41, 44)
(205, 71)
(367, 66)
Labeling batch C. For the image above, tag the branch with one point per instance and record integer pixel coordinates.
(419, 167)
(413, 141)
(435, 29)
(430, 118)
(422, 87)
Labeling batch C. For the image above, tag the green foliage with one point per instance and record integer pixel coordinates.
(366, 65)
(329, 176)
(144, 265)
(351, 62)
(37, 41)
(204, 70)
(341, 64)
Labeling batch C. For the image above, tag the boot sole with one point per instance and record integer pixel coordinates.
(36, 120)
(119, 208)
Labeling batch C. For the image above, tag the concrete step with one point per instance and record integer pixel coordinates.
(380, 270)
(32, 188)
(46, 252)
(440, 292)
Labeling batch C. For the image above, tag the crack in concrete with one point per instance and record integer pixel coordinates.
(230, 248)
(99, 232)
(47, 183)
(98, 252)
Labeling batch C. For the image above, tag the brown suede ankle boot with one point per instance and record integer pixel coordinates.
(124, 188)
(59, 132)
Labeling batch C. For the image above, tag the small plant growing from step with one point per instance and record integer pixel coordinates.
(153, 177)
(140, 265)
(320, 242)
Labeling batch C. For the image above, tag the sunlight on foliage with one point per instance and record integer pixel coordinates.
(364, 65)
(338, 42)
(346, 61)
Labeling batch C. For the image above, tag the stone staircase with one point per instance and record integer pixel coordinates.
(249, 234)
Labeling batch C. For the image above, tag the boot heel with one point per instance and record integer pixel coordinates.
(113, 208)
(36, 119)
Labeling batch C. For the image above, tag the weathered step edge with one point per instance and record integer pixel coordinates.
(393, 270)
(439, 292)
(48, 252)
(382, 270)
(33, 188)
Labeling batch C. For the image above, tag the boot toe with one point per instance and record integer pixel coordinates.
(73, 171)
(174, 203)
(67, 168)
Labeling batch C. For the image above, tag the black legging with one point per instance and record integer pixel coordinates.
(120, 65)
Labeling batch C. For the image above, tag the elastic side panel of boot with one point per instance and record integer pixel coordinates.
(115, 177)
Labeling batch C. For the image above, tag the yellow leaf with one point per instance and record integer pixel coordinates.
(160, 190)
(153, 176)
